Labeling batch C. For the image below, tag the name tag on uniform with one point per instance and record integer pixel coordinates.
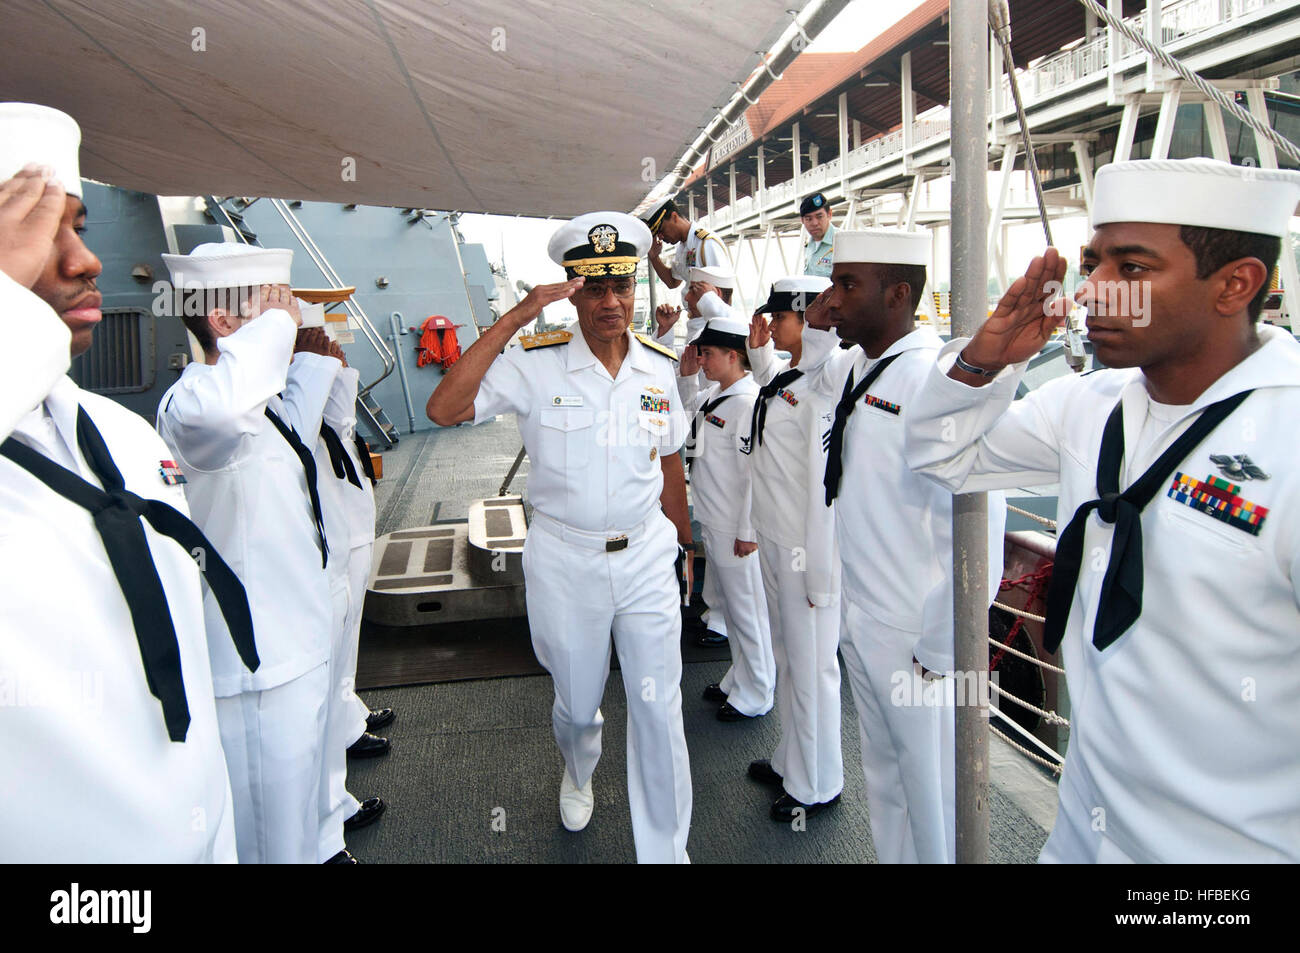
(566, 401)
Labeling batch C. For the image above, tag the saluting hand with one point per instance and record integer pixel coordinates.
(666, 315)
(656, 247)
(31, 207)
(279, 296)
(336, 351)
(818, 313)
(539, 298)
(690, 361)
(312, 341)
(1025, 317)
(759, 332)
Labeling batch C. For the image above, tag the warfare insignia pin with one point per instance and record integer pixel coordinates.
(603, 238)
(654, 452)
(171, 473)
(1239, 466)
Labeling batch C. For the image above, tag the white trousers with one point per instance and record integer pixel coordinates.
(578, 595)
(751, 680)
(272, 741)
(335, 804)
(908, 746)
(804, 643)
(712, 616)
(358, 576)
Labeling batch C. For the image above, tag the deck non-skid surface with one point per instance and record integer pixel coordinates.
(474, 772)
(471, 757)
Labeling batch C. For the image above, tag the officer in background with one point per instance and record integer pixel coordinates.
(109, 731)
(815, 213)
(696, 247)
(1175, 597)
(600, 417)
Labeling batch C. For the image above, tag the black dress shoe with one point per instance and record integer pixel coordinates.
(727, 713)
(710, 639)
(763, 773)
(369, 746)
(369, 812)
(343, 857)
(379, 717)
(783, 809)
(713, 693)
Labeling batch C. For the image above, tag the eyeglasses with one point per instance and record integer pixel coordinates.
(596, 290)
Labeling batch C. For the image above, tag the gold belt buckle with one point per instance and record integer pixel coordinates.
(616, 543)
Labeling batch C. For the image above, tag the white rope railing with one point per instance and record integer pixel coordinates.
(1211, 91)
(1051, 717)
(1028, 658)
(1020, 612)
(1053, 766)
(1033, 516)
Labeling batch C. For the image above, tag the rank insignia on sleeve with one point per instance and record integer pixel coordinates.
(171, 473)
(715, 420)
(871, 400)
(1219, 498)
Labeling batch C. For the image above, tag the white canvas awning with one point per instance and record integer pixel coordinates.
(505, 106)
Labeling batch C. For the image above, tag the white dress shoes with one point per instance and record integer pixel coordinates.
(576, 803)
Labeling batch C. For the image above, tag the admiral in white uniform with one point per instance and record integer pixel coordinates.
(253, 488)
(720, 486)
(600, 418)
(1176, 590)
(109, 728)
(895, 539)
(797, 553)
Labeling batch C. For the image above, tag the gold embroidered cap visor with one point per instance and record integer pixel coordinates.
(600, 245)
(658, 216)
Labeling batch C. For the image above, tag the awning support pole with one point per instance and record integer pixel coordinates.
(969, 67)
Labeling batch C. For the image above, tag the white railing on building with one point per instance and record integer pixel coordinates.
(1048, 76)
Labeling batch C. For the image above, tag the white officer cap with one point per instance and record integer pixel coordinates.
(1205, 193)
(313, 315)
(794, 293)
(720, 276)
(600, 245)
(882, 246)
(723, 332)
(229, 265)
(31, 133)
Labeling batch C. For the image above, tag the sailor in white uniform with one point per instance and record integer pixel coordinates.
(720, 486)
(317, 390)
(696, 246)
(253, 488)
(1175, 595)
(601, 420)
(796, 548)
(895, 539)
(111, 747)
